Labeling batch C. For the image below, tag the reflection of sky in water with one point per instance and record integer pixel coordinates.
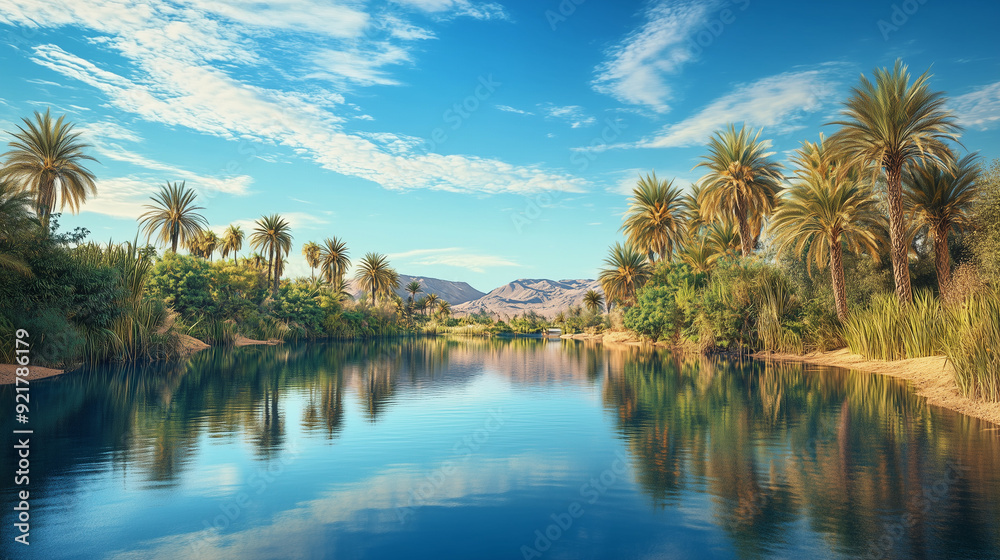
(468, 455)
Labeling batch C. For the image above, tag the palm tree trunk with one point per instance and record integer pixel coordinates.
(897, 234)
(746, 240)
(270, 262)
(837, 272)
(942, 260)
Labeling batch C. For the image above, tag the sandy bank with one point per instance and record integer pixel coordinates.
(244, 341)
(931, 378)
(7, 373)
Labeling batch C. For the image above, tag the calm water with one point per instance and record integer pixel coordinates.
(479, 449)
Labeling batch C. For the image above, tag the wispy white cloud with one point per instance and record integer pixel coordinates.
(185, 72)
(980, 108)
(456, 8)
(575, 115)
(775, 102)
(452, 256)
(636, 70)
(509, 109)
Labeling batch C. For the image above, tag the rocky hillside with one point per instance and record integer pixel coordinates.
(545, 297)
(452, 292)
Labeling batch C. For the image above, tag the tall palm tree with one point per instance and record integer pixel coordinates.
(444, 309)
(46, 159)
(432, 300)
(941, 197)
(312, 252)
(742, 180)
(334, 260)
(209, 242)
(887, 124)
(413, 288)
(232, 241)
(173, 216)
(654, 221)
(375, 276)
(695, 219)
(272, 236)
(625, 272)
(594, 300)
(825, 209)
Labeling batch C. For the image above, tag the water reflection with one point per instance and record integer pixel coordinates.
(776, 458)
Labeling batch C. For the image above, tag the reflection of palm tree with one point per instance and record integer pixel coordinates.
(742, 181)
(173, 216)
(46, 159)
(941, 196)
(626, 270)
(888, 124)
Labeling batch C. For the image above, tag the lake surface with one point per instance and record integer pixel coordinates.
(481, 449)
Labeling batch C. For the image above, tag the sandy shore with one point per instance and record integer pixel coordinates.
(7, 373)
(931, 378)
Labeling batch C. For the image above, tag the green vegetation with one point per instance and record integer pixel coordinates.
(886, 204)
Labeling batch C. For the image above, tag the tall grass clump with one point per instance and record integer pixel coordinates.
(973, 345)
(775, 303)
(886, 331)
(133, 334)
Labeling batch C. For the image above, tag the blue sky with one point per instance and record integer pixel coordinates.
(468, 140)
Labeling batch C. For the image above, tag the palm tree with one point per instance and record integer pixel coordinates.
(173, 217)
(699, 254)
(432, 300)
(594, 300)
(887, 124)
(232, 241)
(723, 238)
(312, 253)
(46, 160)
(444, 309)
(626, 271)
(654, 221)
(941, 197)
(272, 236)
(15, 218)
(413, 287)
(209, 242)
(334, 260)
(375, 276)
(826, 208)
(742, 180)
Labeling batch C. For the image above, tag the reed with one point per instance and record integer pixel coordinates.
(973, 344)
(886, 331)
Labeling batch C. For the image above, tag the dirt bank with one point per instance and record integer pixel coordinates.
(7, 373)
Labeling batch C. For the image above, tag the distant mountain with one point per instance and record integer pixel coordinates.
(452, 292)
(545, 297)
